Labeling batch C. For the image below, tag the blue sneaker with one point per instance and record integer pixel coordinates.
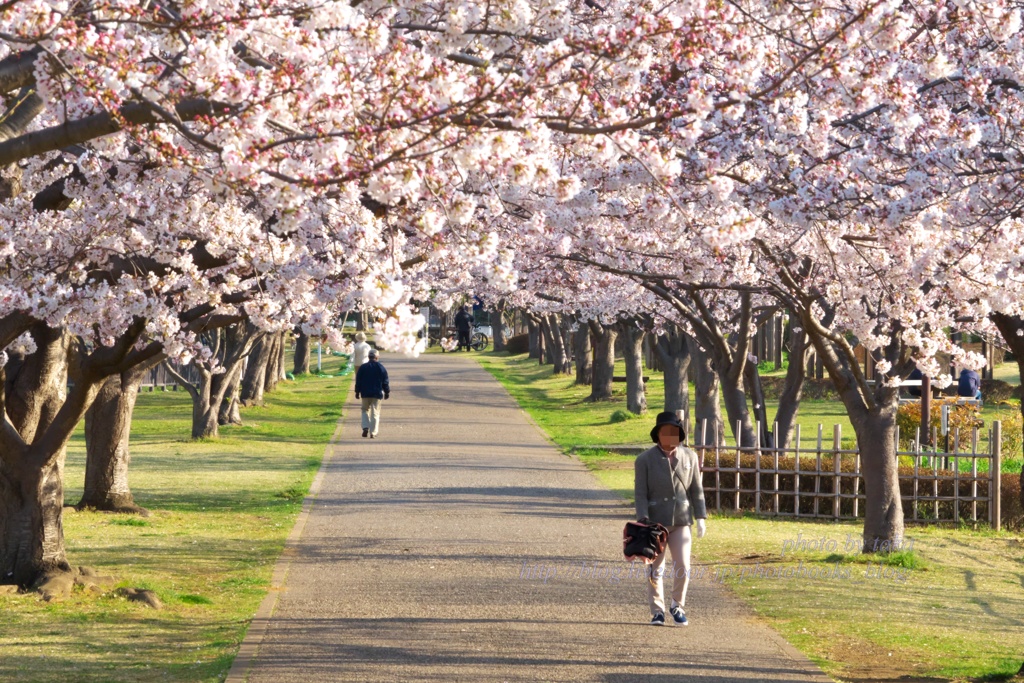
(658, 620)
(679, 615)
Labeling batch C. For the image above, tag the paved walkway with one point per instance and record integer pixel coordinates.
(415, 561)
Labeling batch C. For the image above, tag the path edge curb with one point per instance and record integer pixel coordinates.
(247, 651)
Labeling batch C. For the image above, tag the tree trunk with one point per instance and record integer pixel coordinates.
(872, 411)
(31, 521)
(603, 340)
(633, 351)
(753, 380)
(583, 350)
(255, 377)
(301, 366)
(706, 398)
(498, 327)
(229, 413)
(534, 336)
(674, 355)
(789, 400)
(876, 439)
(205, 413)
(550, 327)
(564, 329)
(736, 408)
(31, 469)
(1010, 328)
(231, 346)
(107, 451)
(273, 373)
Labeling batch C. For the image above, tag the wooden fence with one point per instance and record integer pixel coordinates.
(826, 481)
(159, 377)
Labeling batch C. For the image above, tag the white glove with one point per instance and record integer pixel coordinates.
(701, 528)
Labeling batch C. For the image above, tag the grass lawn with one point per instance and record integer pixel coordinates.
(952, 608)
(221, 510)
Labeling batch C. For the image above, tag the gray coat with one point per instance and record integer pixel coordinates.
(672, 498)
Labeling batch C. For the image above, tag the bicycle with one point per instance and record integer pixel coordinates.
(479, 341)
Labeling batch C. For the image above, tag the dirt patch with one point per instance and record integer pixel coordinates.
(864, 660)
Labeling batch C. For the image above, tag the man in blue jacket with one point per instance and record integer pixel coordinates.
(372, 386)
(969, 385)
(464, 325)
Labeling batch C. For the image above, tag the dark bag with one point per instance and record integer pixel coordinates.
(644, 540)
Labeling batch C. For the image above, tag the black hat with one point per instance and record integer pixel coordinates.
(668, 418)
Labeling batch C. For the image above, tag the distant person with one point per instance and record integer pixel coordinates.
(669, 491)
(361, 350)
(463, 325)
(969, 384)
(372, 386)
(915, 391)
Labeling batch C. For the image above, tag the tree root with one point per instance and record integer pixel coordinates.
(121, 507)
(58, 584)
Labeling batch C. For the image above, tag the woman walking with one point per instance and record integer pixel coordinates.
(668, 490)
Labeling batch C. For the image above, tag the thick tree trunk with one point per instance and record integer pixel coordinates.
(230, 413)
(107, 430)
(274, 362)
(633, 350)
(736, 408)
(789, 400)
(254, 379)
(498, 328)
(204, 414)
(603, 340)
(876, 439)
(31, 476)
(706, 399)
(31, 520)
(872, 411)
(301, 366)
(553, 341)
(1011, 328)
(583, 350)
(674, 355)
(534, 336)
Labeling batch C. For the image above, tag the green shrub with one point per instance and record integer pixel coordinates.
(621, 416)
(962, 418)
(1013, 439)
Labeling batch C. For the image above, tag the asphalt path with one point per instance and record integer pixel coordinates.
(461, 545)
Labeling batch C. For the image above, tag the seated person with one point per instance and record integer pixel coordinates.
(969, 384)
(915, 391)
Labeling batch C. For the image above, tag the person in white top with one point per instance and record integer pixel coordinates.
(361, 351)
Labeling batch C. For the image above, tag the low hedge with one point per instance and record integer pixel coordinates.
(518, 344)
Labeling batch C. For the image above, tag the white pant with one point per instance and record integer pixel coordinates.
(371, 414)
(679, 540)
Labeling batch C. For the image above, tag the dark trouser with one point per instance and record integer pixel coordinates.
(464, 339)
